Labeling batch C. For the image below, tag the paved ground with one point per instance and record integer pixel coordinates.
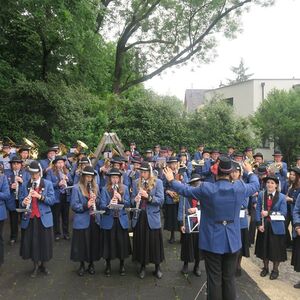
(63, 283)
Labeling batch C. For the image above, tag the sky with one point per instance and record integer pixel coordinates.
(269, 45)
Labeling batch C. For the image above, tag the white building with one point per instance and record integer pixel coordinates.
(246, 96)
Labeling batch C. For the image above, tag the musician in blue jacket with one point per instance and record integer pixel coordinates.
(236, 175)
(296, 242)
(86, 239)
(199, 153)
(60, 177)
(280, 171)
(148, 197)
(36, 225)
(46, 163)
(172, 199)
(219, 234)
(114, 222)
(16, 175)
(4, 200)
(190, 251)
(270, 241)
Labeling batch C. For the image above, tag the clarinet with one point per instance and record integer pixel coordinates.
(17, 185)
(90, 191)
(62, 176)
(137, 204)
(33, 187)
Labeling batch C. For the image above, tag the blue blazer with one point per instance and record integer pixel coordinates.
(153, 207)
(52, 177)
(44, 206)
(220, 212)
(81, 219)
(4, 197)
(197, 155)
(279, 205)
(11, 205)
(281, 175)
(296, 214)
(44, 164)
(244, 221)
(107, 219)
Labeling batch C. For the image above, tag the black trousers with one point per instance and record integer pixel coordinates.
(220, 271)
(1, 243)
(288, 220)
(61, 209)
(14, 226)
(252, 225)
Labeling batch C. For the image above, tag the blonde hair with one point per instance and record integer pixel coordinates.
(151, 182)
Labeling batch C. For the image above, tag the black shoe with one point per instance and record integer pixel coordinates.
(122, 270)
(142, 273)
(12, 242)
(264, 272)
(297, 285)
(34, 272)
(66, 237)
(185, 269)
(171, 240)
(44, 270)
(107, 271)
(238, 273)
(81, 270)
(158, 273)
(197, 271)
(91, 269)
(274, 275)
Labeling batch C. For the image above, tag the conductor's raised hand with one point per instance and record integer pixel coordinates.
(168, 173)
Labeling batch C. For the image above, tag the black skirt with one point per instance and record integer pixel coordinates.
(245, 242)
(171, 214)
(87, 243)
(270, 246)
(190, 251)
(1, 243)
(147, 243)
(36, 241)
(296, 254)
(116, 242)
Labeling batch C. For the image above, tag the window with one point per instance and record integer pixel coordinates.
(229, 101)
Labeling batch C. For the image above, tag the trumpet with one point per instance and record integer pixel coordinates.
(274, 167)
(198, 163)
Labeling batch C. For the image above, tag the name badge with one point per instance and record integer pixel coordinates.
(242, 213)
(277, 217)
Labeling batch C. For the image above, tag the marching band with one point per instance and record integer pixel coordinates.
(220, 203)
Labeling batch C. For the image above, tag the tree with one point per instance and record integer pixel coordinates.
(217, 126)
(154, 35)
(277, 119)
(240, 73)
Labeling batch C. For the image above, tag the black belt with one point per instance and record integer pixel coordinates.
(225, 222)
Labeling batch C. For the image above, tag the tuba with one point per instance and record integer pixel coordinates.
(34, 151)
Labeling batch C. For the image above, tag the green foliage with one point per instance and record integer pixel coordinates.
(218, 127)
(240, 73)
(63, 62)
(277, 119)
